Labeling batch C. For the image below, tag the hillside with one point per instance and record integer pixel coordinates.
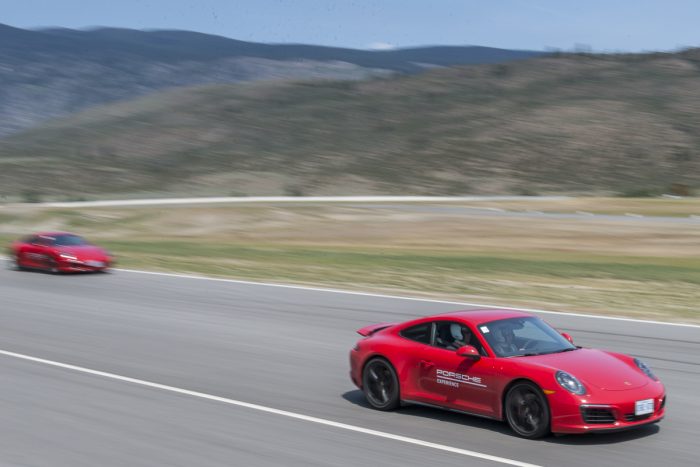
(53, 72)
(569, 123)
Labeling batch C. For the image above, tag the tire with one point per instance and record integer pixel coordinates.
(15, 264)
(52, 266)
(527, 410)
(381, 385)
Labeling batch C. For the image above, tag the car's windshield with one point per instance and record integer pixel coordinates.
(69, 240)
(515, 337)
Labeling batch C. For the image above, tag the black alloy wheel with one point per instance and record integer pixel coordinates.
(527, 410)
(380, 385)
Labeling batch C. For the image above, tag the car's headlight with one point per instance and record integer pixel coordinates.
(645, 369)
(68, 256)
(570, 383)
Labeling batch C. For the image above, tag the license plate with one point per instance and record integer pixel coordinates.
(95, 264)
(644, 407)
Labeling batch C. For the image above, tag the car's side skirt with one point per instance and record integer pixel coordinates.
(449, 409)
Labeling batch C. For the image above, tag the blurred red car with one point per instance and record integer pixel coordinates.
(59, 252)
(506, 365)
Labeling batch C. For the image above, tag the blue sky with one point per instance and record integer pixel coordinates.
(613, 25)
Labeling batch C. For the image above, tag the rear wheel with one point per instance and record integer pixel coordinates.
(380, 385)
(13, 263)
(527, 410)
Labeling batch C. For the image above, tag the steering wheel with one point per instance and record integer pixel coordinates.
(529, 344)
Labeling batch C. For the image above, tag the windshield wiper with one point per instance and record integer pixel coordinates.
(533, 354)
(563, 350)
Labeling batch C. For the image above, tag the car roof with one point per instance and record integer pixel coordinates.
(480, 315)
(52, 234)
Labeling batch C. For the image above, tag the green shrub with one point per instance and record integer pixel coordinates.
(31, 196)
(525, 191)
(680, 189)
(293, 191)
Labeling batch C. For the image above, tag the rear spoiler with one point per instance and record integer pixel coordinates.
(372, 328)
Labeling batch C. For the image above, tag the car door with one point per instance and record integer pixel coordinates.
(29, 252)
(42, 251)
(455, 381)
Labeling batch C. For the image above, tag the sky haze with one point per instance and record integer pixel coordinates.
(518, 24)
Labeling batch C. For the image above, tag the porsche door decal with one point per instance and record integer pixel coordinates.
(450, 378)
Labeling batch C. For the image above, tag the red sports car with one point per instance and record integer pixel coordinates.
(59, 252)
(506, 365)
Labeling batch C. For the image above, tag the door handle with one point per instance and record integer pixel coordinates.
(426, 364)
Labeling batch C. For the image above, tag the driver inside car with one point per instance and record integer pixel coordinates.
(451, 336)
(504, 340)
(458, 339)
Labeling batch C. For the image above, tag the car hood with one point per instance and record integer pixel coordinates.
(594, 368)
(85, 252)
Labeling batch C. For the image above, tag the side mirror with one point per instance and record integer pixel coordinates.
(568, 337)
(468, 351)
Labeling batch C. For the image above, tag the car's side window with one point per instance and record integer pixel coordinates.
(451, 335)
(419, 333)
(45, 241)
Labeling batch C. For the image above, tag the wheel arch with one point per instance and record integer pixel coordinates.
(376, 355)
(381, 356)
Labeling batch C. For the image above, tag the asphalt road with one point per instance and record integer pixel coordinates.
(280, 348)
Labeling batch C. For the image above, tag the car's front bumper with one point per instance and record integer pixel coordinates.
(611, 411)
(78, 265)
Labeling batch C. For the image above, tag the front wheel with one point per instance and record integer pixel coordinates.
(380, 385)
(52, 266)
(527, 410)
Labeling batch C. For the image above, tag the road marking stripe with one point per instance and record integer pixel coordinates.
(262, 408)
(297, 199)
(398, 297)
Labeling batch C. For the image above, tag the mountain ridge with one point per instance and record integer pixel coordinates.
(52, 72)
(570, 123)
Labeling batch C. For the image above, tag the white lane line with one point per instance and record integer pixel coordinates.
(262, 408)
(296, 199)
(399, 297)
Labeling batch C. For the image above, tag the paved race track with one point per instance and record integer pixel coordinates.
(280, 348)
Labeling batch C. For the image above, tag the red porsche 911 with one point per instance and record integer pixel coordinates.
(59, 252)
(506, 365)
